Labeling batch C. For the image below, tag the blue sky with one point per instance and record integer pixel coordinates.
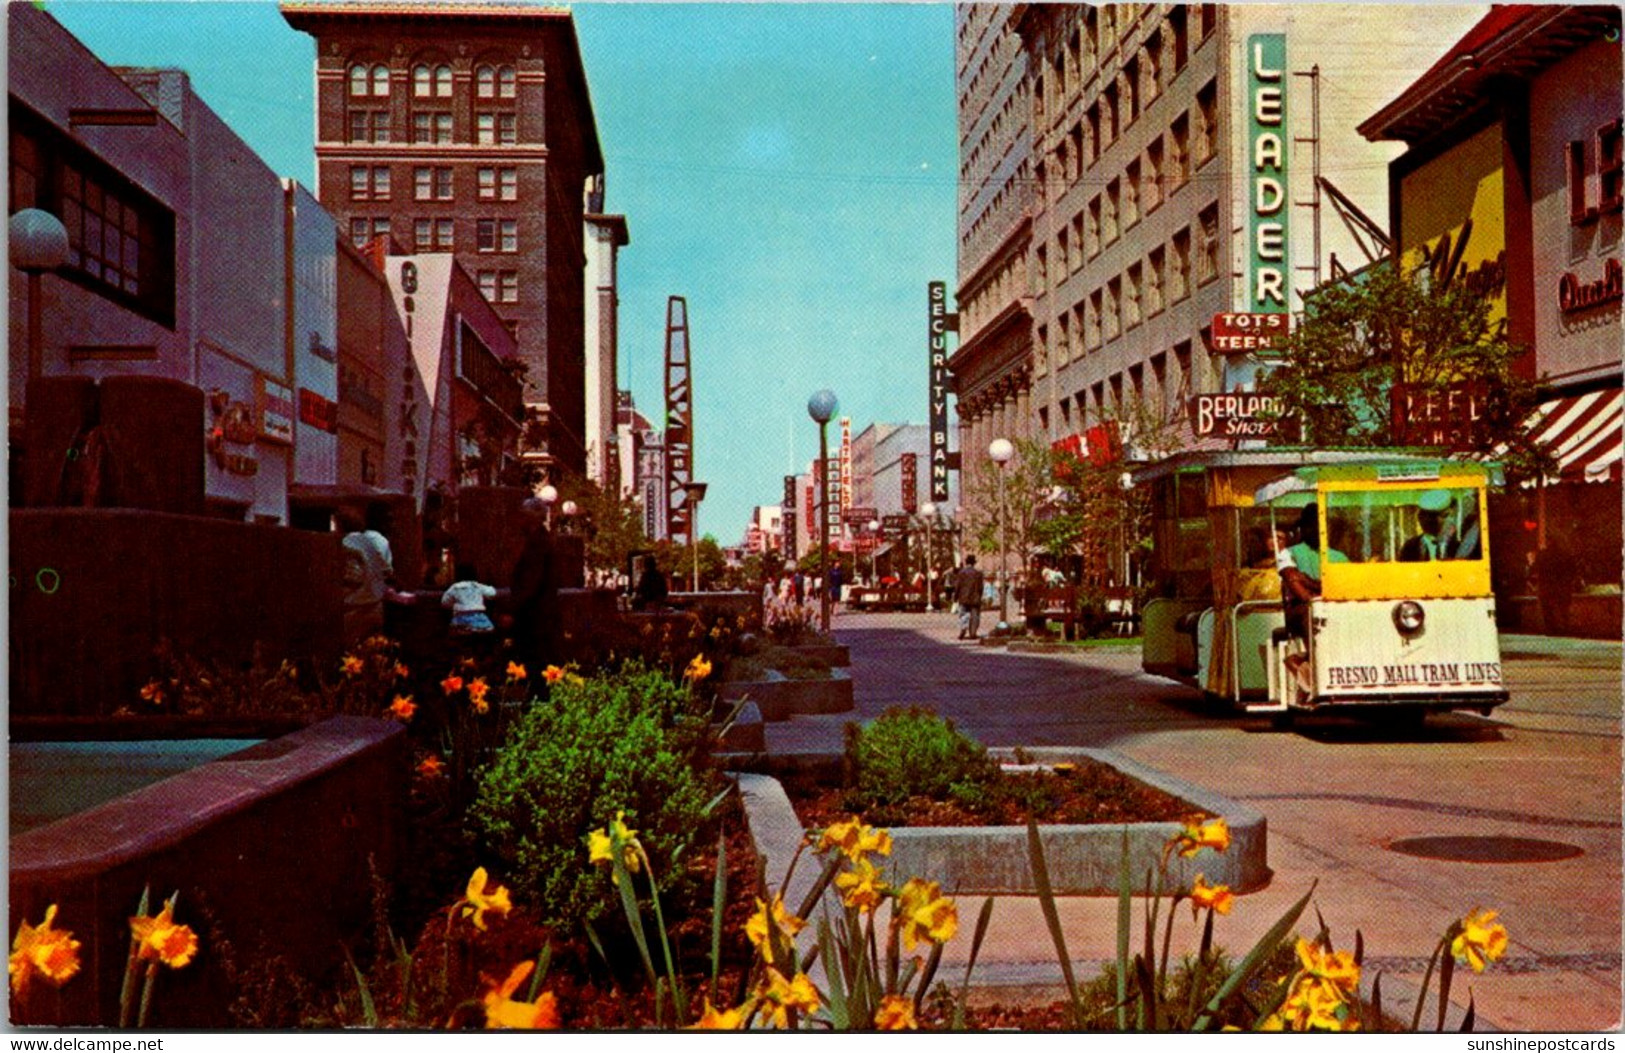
(789, 169)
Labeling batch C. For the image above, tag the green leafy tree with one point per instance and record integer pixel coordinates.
(1393, 324)
(613, 525)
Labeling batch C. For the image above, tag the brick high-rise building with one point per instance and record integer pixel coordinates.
(468, 128)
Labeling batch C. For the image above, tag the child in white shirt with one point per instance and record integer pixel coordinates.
(466, 598)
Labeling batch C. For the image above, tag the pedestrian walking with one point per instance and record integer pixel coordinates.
(535, 591)
(968, 585)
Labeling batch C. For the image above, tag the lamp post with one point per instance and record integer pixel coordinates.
(38, 243)
(1001, 450)
(696, 494)
(549, 496)
(874, 551)
(821, 407)
(929, 511)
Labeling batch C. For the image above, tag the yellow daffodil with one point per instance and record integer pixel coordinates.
(160, 939)
(452, 684)
(52, 954)
(1315, 1006)
(501, 1011)
(403, 707)
(153, 692)
(350, 665)
(861, 886)
(1336, 968)
(431, 767)
(552, 674)
(401, 672)
(480, 900)
(1217, 898)
(895, 1013)
(1482, 940)
(714, 1019)
(782, 996)
(925, 913)
(516, 671)
(602, 841)
(854, 840)
(786, 923)
(698, 669)
(477, 690)
(1198, 835)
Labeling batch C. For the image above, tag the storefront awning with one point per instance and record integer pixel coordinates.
(1583, 434)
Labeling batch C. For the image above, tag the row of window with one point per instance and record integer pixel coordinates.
(1186, 146)
(121, 242)
(435, 127)
(440, 234)
(1144, 73)
(433, 80)
(434, 183)
(1125, 392)
(1140, 292)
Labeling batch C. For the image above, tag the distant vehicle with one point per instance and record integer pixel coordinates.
(1392, 615)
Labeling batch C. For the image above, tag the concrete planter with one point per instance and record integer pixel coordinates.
(834, 655)
(782, 698)
(1082, 859)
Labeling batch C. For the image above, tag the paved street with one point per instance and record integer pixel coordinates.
(1337, 794)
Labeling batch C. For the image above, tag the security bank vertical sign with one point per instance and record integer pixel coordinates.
(1268, 264)
(937, 313)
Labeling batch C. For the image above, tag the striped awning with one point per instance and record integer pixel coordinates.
(1583, 434)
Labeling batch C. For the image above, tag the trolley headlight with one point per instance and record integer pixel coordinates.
(1409, 617)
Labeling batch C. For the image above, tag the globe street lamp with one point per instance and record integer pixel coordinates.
(1001, 450)
(929, 511)
(38, 243)
(549, 496)
(821, 407)
(696, 494)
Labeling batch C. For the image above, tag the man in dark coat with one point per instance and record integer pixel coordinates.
(536, 592)
(968, 586)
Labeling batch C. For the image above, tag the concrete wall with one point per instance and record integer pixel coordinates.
(97, 589)
(314, 333)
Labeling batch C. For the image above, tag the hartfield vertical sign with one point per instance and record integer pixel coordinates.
(1269, 264)
(937, 315)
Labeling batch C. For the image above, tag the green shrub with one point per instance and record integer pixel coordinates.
(632, 742)
(793, 664)
(910, 752)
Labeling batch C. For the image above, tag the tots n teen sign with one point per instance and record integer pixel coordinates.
(1268, 264)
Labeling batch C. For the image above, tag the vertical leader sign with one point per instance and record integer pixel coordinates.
(1268, 263)
(941, 322)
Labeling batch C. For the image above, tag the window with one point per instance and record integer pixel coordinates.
(1152, 67)
(1113, 322)
(121, 242)
(1041, 268)
(497, 235)
(1077, 241)
(1109, 113)
(491, 128)
(1179, 138)
(1091, 39)
(364, 229)
(1179, 267)
(1131, 89)
(1108, 27)
(508, 184)
(380, 81)
(442, 82)
(1093, 332)
(358, 80)
(1131, 194)
(1063, 342)
(1108, 213)
(1152, 175)
(1131, 297)
(486, 184)
(1207, 265)
(434, 235)
(488, 284)
(1063, 257)
(1207, 116)
(1178, 29)
(1209, 14)
(431, 184)
(1092, 232)
(1182, 359)
(485, 82)
(507, 286)
(507, 82)
(1079, 313)
(369, 126)
(1159, 377)
(1156, 263)
(430, 126)
(369, 183)
(1093, 117)
(1043, 349)
(1076, 137)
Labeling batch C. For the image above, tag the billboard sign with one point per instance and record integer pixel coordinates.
(787, 518)
(937, 326)
(1450, 416)
(1239, 415)
(909, 468)
(1234, 332)
(1269, 264)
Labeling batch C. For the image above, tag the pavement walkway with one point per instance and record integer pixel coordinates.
(1338, 795)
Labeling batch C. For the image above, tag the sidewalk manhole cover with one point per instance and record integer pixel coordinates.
(1486, 849)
